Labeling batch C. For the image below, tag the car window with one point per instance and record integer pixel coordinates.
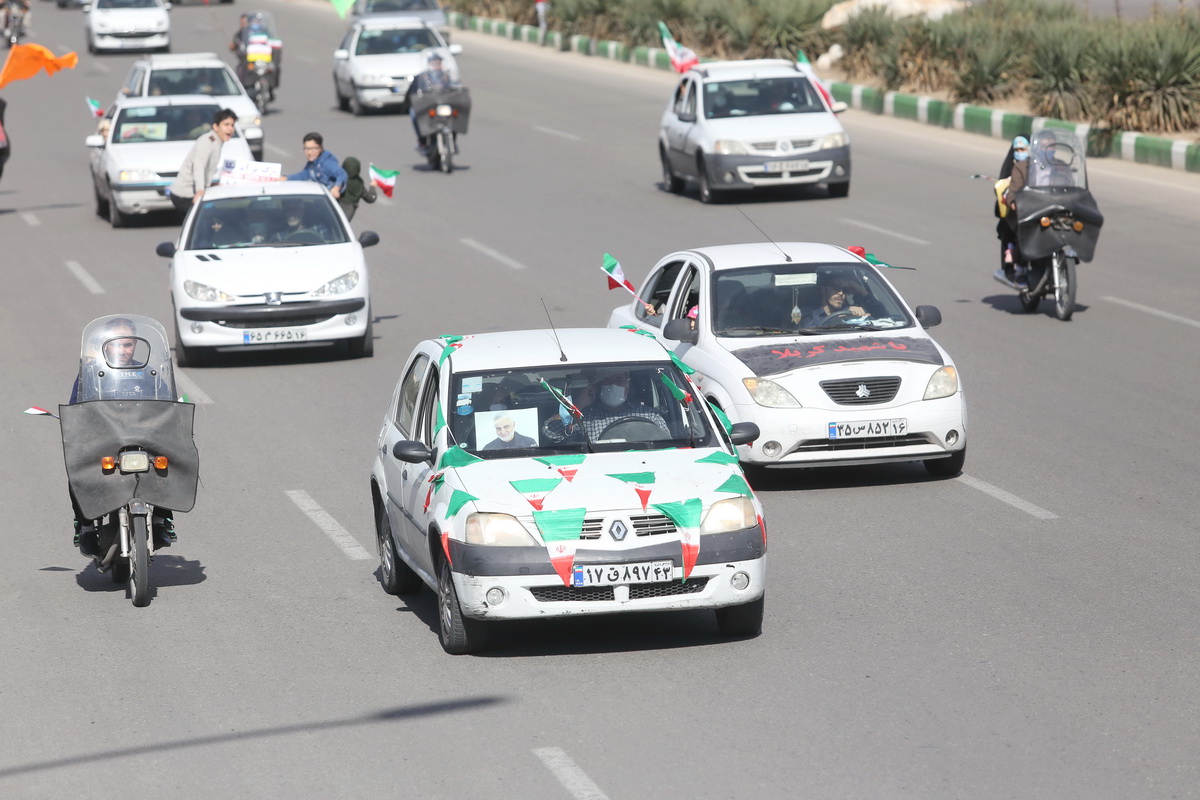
(377, 42)
(136, 124)
(133, 84)
(689, 103)
(760, 97)
(657, 293)
(680, 96)
(427, 418)
(688, 296)
(266, 221)
(214, 81)
(410, 388)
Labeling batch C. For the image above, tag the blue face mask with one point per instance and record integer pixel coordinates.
(1020, 155)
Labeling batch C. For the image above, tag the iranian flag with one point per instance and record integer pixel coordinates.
(682, 59)
(94, 107)
(616, 277)
(686, 516)
(567, 465)
(641, 482)
(535, 489)
(385, 179)
(560, 531)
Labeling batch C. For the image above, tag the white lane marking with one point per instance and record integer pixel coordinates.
(194, 393)
(553, 132)
(884, 231)
(494, 254)
(100, 67)
(277, 150)
(1005, 497)
(30, 219)
(86, 279)
(1156, 312)
(569, 774)
(340, 536)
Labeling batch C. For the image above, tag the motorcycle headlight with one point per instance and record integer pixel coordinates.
(835, 140)
(769, 393)
(136, 175)
(943, 383)
(500, 530)
(340, 284)
(734, 514)
(198, 291)
(729, 147)
(135, 461)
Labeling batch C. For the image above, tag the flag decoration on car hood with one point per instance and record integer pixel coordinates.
(641, 483)
(567, 465)
(686, 516)
(560, 531)
(535, 489)
(385, 179)
(682, 59)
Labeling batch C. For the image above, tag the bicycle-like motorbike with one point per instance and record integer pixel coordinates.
(440, 117)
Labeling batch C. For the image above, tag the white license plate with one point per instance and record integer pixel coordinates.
(869, 427)
(786, 166)
(614, 575)
(271, 335)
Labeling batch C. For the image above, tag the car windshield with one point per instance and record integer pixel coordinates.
(382, 42)
(162, 123)
(127, 4)
(396, 6)
(214, 81)
(577, 409)
(266, 221)
(760, 96)
(804, 299)
(1056, 160)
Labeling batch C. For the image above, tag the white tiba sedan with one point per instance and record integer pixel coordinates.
(536, 474)
(814, 345)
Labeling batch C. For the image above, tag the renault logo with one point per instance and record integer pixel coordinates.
(618, 530)
(863, 392)
(785, 145)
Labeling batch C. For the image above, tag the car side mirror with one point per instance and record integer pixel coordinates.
(929, 316)
(838, 106)
(681, 330)
(456, 49)
(368, 238)
(95, 140)
(744, 433)
(341, 55)
(165, 249)
(411, 452)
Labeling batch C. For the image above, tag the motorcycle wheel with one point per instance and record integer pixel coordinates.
(446, 152)
(1064, 286)
(139, 562)
(262, 95)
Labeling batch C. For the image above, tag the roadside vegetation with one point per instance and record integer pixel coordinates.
(1051, 60)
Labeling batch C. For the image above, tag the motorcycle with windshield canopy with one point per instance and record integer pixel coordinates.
(127, 443)
(1057, 221)
(440, 117)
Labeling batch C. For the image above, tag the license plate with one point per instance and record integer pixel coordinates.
(614, 575)
(271, 335)
(870, 427)
(786, 166)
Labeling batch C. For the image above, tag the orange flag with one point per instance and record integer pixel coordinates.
(26, 60)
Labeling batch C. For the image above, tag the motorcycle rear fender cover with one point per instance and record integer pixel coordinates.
(1039, 242)
(101, 428)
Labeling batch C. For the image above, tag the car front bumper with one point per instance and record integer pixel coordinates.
(382, 96)
(141, 198)
(260, 324)
(754, 171)
(130, 41)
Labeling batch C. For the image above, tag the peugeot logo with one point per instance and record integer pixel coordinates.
(274, 298)
(618, 530)
(863, 392)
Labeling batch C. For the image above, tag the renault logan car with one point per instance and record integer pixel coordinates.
(380, 56)
(127, 25)
(268, 265)
(537, 474)
(814, 345)
(742, 125)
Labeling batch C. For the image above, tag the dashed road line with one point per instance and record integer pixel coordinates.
(573, 779)
(562, 134)
(30, 219)
(493, 254)
(194, 393)
(84, 277)
(328, 525)
(1006, 497)
(1156, 312)
(866, 225)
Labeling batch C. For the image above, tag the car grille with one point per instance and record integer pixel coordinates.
(637, 591)
(643, 525)
(872, 443)
(168, 174)
(862, 391)
(770, 147)
(274, 322)
(129, 34)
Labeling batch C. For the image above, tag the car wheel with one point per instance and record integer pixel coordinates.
(115, 217)
(839, 189)
(708, 195)
(186, 356)
(356, 106)
(743, 620)
(343, 103)
(458, 634)
(946, 467)
(101, 203)
(396, 576)
(671, 182)
(364, 347)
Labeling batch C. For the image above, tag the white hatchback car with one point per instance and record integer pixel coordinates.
(537, 474)
(741, 125)
(141, 145)
(813, 344)
(268, 265)
(127, 25)
(380, 56)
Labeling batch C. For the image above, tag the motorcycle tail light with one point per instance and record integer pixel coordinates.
(108, 463)
(160, 462)
(1045, 222)
(1077, 225)
(136, 461)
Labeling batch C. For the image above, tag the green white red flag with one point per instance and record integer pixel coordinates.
(385, 179)
(94, 107)
(616, 277)
(535, 490)
(641, 482)
(682, 59)
(560, 531)
(686, 516)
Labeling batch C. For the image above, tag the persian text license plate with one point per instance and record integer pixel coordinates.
(644, 572)
(272, 335)
(870, 427)
(786, 166)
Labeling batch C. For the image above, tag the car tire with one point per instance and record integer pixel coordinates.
(744, 620)
(395, 575)
(101, 203)
(946, 467)
(671, 182)
(343, 103)
(708, 195)
(186, 356)
(356, 106)
(459, 635)
(839, 189)
(115, 217)
(363, 347)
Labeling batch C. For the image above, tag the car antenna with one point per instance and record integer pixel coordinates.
(562, 355)
(786, 257)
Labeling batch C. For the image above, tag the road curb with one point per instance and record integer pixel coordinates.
(1178, 154)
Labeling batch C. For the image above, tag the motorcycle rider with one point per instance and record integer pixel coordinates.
(23, 5)
(434, 79)
(1016, 170)
(250, 25)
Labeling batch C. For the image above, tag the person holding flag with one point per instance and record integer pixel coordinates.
(356, 188)
(385, 179)
(617, 280)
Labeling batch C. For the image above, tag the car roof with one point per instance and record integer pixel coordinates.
(541, 348)
(749, 68)
(392, 20)
(274, 188)
(180, 59)
(124, 101)
(754, 254)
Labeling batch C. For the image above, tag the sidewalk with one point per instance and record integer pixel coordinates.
(1179, 154)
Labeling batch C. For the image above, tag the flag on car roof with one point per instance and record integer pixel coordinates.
(385, 179)
(94, 107)
(26, 60)
(682, 59)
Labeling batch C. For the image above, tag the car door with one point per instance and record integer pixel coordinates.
(417, 477)
(693, 290)
(679, 125)
(402, 427)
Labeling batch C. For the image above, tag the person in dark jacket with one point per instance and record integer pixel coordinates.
(356, 188)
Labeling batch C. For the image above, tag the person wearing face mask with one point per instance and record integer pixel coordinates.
(1016, 170)
(433, 80)
(604, 401)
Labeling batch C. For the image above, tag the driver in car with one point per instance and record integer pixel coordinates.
(838, 302)
(604, 401)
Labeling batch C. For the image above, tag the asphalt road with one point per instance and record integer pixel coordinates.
(1025, 630)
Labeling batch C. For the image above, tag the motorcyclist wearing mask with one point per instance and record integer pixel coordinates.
(604, 401)
(434, 79)
(1016, 170)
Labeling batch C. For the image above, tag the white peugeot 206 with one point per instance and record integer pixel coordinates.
(268, 265)
(814, 345)
(536, 474)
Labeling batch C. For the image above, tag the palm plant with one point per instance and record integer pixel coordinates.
(987, 74)
(862, 36)
(1059, 62)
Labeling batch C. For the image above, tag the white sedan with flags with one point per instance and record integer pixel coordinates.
(542, 473)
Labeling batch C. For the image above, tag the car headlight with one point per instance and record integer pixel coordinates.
(501, 530)
(136, 175)
(101, 26)
(249, 121)
(734, 514)
(161, 25)
(729, 147)
(769, 393)
(198, 291)
(943, 383)
(340, 284)
(373, 80)
(835, 140)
